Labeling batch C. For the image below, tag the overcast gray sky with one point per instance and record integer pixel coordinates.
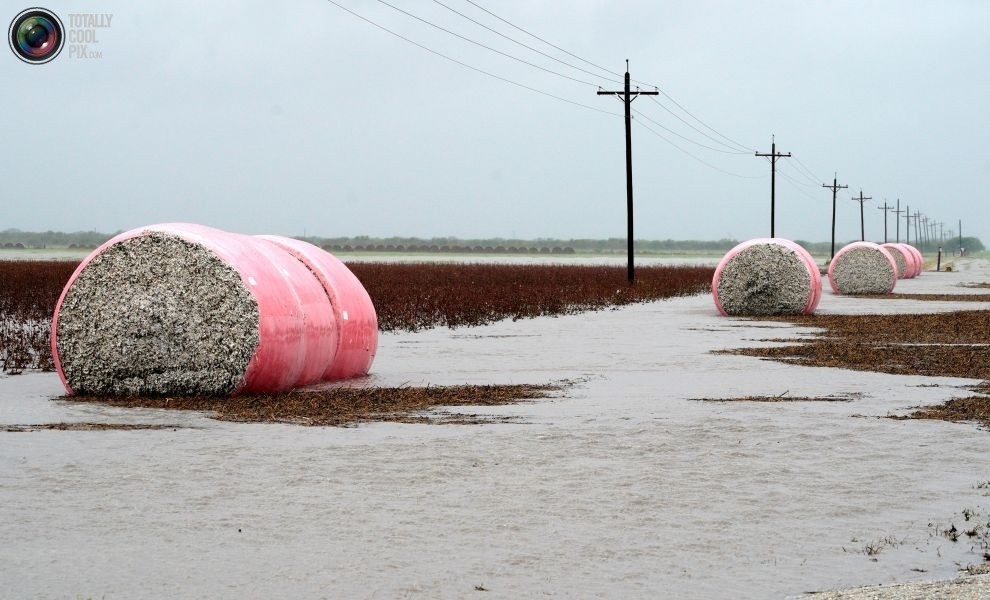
(297, 116)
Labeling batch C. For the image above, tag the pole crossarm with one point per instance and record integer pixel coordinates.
(773, 155)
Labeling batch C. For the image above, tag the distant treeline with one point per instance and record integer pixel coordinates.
(52, 239)
(11, 238)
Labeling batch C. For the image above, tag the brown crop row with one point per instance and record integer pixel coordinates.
(28, 293)
(423, 295)
(407, 296)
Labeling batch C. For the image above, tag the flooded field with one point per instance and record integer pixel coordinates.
(626, 486)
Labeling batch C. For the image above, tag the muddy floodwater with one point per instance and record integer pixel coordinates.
(626, 486)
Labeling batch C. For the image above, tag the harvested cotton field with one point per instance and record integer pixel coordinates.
(863, 268)
(622, 468)
(766, 277)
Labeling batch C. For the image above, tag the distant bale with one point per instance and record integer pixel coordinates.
(904, 262)
(767, 276)
(863, 268)
(919, 259)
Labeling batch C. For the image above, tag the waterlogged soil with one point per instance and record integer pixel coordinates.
(951, 344)
(955, 344)
(337, 406)
(623, 487)
(936, 297)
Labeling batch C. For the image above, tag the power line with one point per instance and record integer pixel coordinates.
(796, 182)
(534, 36)
(709, 127)
(804, 176)
(808, 171)
(465, 65)
(665, 94)
(687, 139)
(469, 40)
(707, 164)
(515, 41)
(676, 116)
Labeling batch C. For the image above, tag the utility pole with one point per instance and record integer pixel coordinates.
(917, 227)
(835, 187)
(941, 233)
(907, 224)
(897, 219)
(627, 98)
(884, 208)
(774, 155)
(862, 223)
(960, 237)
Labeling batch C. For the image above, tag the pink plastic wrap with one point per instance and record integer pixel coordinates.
(355, 314)
(914, 257)
(814, 275)
(908, 258)
(919, 259)
(312, 310)
(884, 251)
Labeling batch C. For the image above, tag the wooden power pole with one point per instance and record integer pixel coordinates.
(862, 222)
(773, 156)
(835, 187)
(627, 98)
(907, 223)
(897, 220)
(885, 208)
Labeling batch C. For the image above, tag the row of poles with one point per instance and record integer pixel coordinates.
(925, 228)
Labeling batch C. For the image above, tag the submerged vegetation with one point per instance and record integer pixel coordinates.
(407, 296)
(419, 296)
(338, 406)
(936, 345)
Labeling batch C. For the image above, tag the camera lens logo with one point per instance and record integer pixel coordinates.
(36, 36)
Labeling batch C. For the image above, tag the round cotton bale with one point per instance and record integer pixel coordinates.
(862, 268)
(919, 259)
(767, 276)
(352, 307)
(181, 309)
(903, 261)
(913, 259)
